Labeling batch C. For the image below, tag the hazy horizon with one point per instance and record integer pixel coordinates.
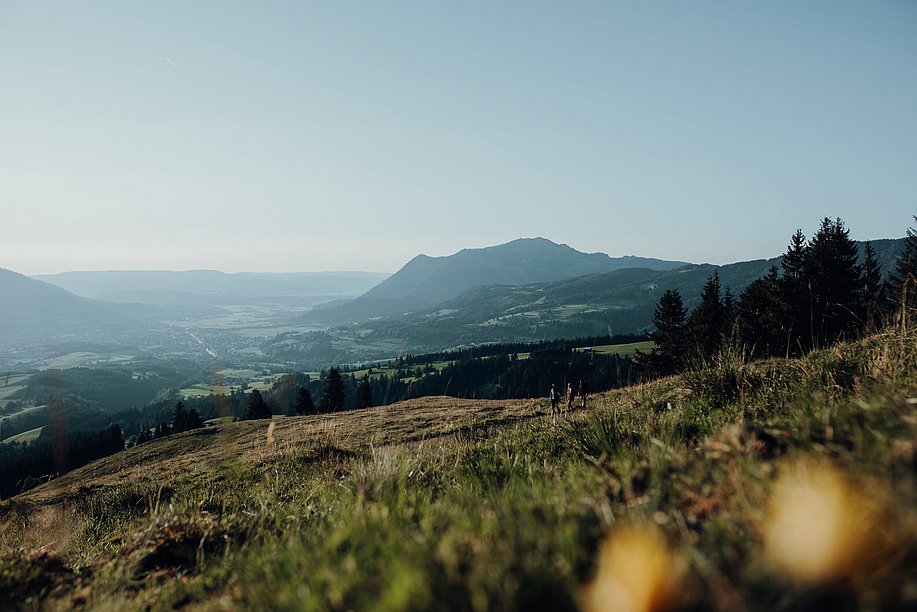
(389, 272)
(284, 137)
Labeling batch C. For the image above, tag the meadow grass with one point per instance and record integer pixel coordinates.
(697, 480)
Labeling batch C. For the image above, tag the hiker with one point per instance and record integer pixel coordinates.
(569, 396)
(583, 391)
(554, 394)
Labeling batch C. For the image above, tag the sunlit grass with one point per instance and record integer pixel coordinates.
(754, 485)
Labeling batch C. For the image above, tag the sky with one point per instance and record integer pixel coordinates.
(307, 136)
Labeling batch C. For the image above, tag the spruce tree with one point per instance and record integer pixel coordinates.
(179, 416)
(707, 323)
(185, 419)
(333, 392)
(872, 287)
(795, 292)
(760, 314)
(729, 311)
(303, 403)
(833, 276)
(794, 259)
(256, 407)
(902, 284)
(364, 394)
(669, 319)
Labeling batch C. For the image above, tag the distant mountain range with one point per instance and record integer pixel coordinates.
(619, 302)
(524, 290)
(426, 281)
(30, 306)
(622, 301)
(213, 287)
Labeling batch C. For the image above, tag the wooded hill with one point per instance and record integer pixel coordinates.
(426, 281)
(618, 302)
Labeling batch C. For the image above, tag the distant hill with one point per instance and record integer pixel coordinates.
(619, 302)
(214, 287)
(426, 281)
(32, 308)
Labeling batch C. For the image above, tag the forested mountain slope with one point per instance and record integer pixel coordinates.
(425, 281)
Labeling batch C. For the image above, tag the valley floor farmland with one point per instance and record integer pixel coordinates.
(739, 486)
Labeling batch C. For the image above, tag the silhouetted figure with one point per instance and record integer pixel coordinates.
(554, 394)
(583, 391)
(569, 396)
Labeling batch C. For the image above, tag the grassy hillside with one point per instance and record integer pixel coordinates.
(784, 484)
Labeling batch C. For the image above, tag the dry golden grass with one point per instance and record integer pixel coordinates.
(799, 492)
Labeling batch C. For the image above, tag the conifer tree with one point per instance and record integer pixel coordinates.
(795, 257)
(179, 416)
(760, 314)
(333, 392)
(729, 311)
(364, 394)
(833, 277)
(794, 289)
(872, 287)
(256, 407)
(707, 323)
(669, 319)
(184, 419)
(902, 284)
(303, 403)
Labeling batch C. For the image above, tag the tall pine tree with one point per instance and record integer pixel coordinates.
(256, 407)
(707, 322)
(671, 343)
(795, 292)
(833, 277)
(333, 392)
(761, 316)
(303, 403)
(902, 284)
(872, 287)
(364, 394)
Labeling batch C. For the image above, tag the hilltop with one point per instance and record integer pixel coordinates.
(425, 281)
(481, 504)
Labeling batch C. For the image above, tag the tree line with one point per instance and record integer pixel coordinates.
(824, 292)
(54, 452)
(502, 376)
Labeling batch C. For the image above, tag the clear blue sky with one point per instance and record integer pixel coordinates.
(284, 136)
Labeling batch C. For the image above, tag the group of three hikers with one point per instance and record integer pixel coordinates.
(582, 391)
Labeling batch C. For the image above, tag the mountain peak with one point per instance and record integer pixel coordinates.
(425, 281)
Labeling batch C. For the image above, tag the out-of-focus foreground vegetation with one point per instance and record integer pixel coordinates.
(773, 484)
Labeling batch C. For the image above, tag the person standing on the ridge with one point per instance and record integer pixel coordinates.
(583, 391)
(554, 394)
(569, 396)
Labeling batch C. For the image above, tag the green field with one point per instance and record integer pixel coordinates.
(225, 380)
(26, 436)
(23, 411)
(10, 385)
(624, 350)
(80, 358)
